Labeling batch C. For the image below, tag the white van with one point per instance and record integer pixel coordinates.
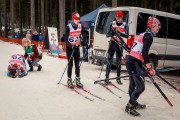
(165, 50)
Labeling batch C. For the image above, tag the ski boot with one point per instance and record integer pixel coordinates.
(78, 83)
(39, 68)
(31, 69)
(139, 106)
(130, 109)
(70, 84)
(119, 81)
(107, 82)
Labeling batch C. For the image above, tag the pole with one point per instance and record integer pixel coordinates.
(66, 66)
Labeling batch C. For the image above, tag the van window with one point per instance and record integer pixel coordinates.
(105, 19)
(142, 24)
(173, 28)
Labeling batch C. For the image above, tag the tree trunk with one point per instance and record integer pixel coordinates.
(156, 3)
(75, 5)
(12, 17)
(5, 19)
(94, 4)
(61, 17)
(32, 15)
(42, 16)
(39, 16)
(114, 3)
(47, 13)
(71, 6)
(0, 18)
(171, 6)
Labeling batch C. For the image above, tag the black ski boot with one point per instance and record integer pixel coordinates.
(78, 83)
(107, 82)
(139, 106)
(130, 109)
(70, 84)
(31, 69)
(119, 81)
(39, 68)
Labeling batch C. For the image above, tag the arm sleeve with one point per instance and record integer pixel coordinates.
(109, 32)
(66, 37)
(147, 41)
(36, 52)
(83, 33)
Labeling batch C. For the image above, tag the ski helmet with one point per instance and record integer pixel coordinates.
(75, 16)
(152, 21)
(119, 14)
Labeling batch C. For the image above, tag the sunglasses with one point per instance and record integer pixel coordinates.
(77, 18)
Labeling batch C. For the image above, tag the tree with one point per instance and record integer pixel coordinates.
(114, 3)
(12, 17)
(61, 17)
(42, 15)
(171, 6)
(5, 19)
(32, 15)
(0, 18)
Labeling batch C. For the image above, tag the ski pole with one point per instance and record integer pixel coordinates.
(159, 89)
(177, 89)
(120, 46)
(66, 66)
(105, 59)
(114, 78)
(123, 44)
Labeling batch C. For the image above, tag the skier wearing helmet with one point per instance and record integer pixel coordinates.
(33, 54)
(73, 33)
(134, 64)
(17, 66)
(122, 28)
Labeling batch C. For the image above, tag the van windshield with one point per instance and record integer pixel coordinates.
(106, 18)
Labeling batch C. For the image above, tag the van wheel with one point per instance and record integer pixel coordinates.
(153, 62)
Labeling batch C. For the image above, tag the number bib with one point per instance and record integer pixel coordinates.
(137, 47)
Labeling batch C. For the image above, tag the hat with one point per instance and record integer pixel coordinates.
(152, 21)
(119, 14)
(75, 16)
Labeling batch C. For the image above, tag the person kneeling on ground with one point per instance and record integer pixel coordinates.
(17, 66)
(32, 53)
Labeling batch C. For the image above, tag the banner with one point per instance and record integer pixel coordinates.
(53, 40)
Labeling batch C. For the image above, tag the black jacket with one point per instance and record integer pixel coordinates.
(83, 33)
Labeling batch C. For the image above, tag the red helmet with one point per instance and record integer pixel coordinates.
(75, 16)
(119, 14)
(152, 21)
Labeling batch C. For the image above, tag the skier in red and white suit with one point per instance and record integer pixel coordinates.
(17, 66)
(72, 39)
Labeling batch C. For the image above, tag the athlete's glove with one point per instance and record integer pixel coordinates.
(87, 46)
(74, 47)
(152, 72)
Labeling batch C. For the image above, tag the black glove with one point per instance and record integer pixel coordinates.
(74, 47)
(87, 46)
(30, 62)
(109, 35)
